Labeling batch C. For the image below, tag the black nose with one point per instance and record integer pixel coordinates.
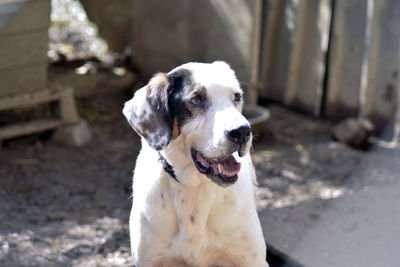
(239, 135)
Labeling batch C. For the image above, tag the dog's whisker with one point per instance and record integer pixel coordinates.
(210, 144)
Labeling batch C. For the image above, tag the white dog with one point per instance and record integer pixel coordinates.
(193, 187)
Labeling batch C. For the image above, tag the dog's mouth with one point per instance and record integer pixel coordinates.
(222, 172)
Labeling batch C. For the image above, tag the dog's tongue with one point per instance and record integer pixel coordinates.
(202, 160)
(228, 167)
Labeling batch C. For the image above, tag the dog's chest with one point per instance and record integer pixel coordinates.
(193, 207)
(204, 222)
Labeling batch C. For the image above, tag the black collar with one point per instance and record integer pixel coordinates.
(167, 167)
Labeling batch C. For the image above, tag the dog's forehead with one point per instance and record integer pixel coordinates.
(211, 75)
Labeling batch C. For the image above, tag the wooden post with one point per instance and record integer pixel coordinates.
(252, 92)
(346, 54)
(279, 32)
(384, 63)
(307, 60)
(67, 107)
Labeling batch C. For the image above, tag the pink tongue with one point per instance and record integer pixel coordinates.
(202, 160)
(228, 167)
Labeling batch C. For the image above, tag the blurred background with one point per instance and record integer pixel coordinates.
(321, 82)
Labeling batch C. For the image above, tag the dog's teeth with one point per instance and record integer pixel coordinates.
(219, 168)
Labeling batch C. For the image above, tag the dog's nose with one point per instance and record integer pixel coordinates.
(239, 135)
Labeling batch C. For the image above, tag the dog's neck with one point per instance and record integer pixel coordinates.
(194, 198)
(168, 168)
(181, 161)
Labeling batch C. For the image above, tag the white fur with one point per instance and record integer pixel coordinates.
(197, 221)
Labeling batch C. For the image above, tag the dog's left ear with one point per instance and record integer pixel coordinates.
(148, 112)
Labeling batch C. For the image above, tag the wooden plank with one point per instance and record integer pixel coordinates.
(34, 98)
(28, 15)
(383, 68)
(25, 79)
(23, 48)
(307, 59)
(29, 127)
(278, 36)
(346, 58)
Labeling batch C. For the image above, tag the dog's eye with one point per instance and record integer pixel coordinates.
(197, 101)
(237, 97)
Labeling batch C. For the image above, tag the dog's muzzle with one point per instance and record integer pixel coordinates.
(239, 139)
(239, 135)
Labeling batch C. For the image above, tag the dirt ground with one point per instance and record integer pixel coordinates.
(66, 206)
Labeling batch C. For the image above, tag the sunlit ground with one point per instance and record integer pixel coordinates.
(296, 160)
(87, 244)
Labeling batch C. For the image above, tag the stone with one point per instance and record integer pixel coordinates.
(354, 131)
(77, 134)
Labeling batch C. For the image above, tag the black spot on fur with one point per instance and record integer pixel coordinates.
(158, 123)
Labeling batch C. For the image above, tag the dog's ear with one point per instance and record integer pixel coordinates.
(148, 112)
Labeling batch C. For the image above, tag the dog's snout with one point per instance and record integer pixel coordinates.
(239, 135)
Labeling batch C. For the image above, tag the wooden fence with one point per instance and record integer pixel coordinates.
(23, 45)
(332, 58)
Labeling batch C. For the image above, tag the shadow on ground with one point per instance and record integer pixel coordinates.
(65, 206)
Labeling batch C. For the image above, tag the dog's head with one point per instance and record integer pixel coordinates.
(197, 107)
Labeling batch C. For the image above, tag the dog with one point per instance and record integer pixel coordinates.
(193, 184)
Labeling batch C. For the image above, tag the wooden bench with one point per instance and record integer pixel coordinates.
(23, 74)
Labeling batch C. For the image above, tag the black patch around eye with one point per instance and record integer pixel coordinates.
(237, 97)
(197, 100)
(182, 84)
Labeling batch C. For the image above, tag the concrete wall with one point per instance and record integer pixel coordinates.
(169, 33)
(114, 20)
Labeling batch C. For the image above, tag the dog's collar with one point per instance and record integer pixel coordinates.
(167, 167)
